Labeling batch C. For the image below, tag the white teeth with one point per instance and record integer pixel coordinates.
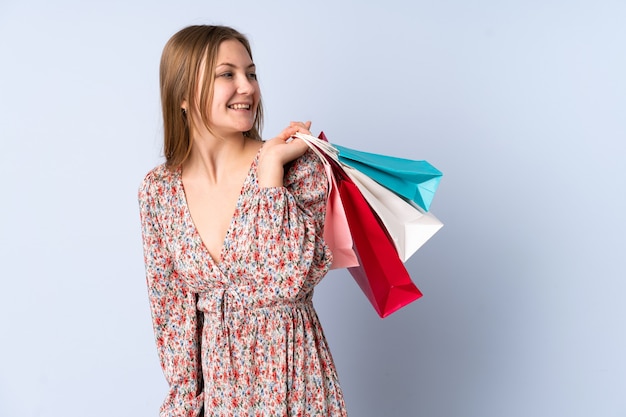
(240, 106)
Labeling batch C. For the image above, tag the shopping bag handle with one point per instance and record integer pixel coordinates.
(326, 152)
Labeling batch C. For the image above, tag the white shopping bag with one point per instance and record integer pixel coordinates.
(408, 225)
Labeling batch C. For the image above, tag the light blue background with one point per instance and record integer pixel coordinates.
(522, 105)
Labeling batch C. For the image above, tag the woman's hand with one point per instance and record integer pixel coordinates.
(278, 151)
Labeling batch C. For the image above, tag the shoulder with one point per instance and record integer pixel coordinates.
(306, 165)
(157, 182)
(159, 175)
(307, 173)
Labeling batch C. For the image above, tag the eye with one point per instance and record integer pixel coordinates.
(252, 76)
(226, 75)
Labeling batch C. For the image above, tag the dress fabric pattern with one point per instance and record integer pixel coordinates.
(239, 336)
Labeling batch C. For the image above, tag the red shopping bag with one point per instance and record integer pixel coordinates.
(381, 274)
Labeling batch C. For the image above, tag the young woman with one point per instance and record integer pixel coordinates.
(232, 230)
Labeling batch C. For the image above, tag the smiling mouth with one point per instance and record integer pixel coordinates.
(239, 106)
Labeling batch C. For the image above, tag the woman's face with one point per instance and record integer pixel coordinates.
(236, 92)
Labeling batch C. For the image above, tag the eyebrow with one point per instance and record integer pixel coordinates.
(228, 64)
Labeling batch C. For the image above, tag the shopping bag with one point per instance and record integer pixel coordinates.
(408, 225)
(414, 180)
(381, 275)
(336, 230)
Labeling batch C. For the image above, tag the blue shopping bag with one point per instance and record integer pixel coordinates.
(414, 180)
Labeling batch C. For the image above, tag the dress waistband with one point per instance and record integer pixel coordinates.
(239, 299)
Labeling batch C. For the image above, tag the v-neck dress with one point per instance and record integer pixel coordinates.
(239, 336)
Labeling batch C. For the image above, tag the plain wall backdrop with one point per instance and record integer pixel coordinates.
(522, 105)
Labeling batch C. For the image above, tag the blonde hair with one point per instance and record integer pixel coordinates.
(187, 53)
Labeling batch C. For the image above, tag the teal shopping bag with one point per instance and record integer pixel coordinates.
(414, 180)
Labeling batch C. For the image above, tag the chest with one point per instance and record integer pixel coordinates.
(212, 208)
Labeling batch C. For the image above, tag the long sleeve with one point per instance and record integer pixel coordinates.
(175, 318)
(307, 182)
(290, 225)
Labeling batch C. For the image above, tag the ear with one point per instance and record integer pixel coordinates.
(184, 105)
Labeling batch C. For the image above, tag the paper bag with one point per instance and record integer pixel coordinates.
(408, 226)
(414, 180)
(381, 275)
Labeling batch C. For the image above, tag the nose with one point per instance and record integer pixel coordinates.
(245, 85)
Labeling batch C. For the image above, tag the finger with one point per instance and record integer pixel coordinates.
(301, 127)
(300, 145)
(305, 125)
(287, 133)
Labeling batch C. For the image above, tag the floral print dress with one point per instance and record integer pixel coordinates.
(240, 337)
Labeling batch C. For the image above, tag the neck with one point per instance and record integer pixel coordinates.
(213, 158)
